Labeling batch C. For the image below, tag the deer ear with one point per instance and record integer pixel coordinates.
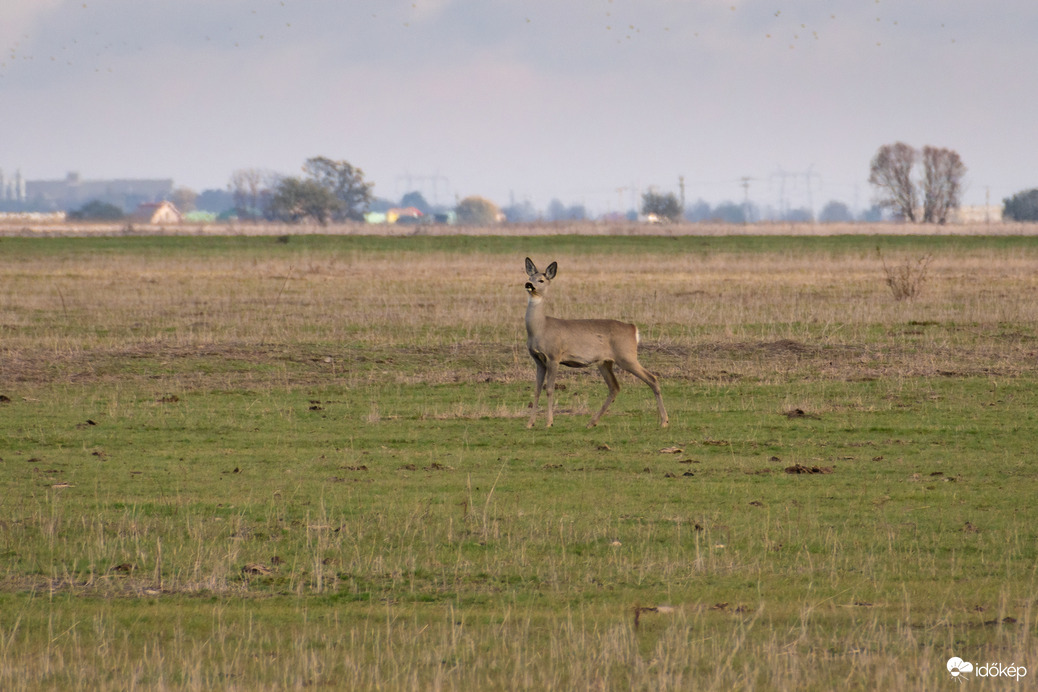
(551, 270)
(531, 268)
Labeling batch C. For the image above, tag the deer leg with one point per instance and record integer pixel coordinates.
(606, 368)
(536, 393)
(636, 369)
(552, 369)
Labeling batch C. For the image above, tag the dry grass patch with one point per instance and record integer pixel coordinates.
(436, 316)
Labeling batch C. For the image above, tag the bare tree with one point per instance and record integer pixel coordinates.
(891, 173)
(251, 188)
(943, 171)
(184, 199)
(940, 187)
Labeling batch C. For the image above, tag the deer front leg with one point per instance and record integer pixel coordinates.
(551, 370)
(536, 393)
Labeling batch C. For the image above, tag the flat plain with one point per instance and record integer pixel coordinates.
(280, 462)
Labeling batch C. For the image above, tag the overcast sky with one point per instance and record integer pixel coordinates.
(585, 101)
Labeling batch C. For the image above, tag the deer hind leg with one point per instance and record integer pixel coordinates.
(536, 393)
(636, 369)
(606, 368)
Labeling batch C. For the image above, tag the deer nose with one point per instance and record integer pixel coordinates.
(529, 286)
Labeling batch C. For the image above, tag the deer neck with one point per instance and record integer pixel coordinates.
(536, 315)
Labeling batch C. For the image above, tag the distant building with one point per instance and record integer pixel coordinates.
(981, 213)
(404, 215)
(73, 192)
(34, 217)
(156, 213)
(12, 190)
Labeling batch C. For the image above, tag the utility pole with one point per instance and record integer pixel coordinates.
(745, 183)
(681, 186)
(809, 174)
(781, 175)
(620, 199)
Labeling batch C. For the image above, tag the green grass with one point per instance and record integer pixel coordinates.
(235, 463)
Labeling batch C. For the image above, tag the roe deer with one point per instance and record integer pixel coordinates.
(578, 344)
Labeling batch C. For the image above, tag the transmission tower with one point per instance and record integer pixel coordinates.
(419, 183)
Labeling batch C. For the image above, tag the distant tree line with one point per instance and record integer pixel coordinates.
(667, 207)
(911, 185)
(336, 191)
(1023, 206)
(96, 210)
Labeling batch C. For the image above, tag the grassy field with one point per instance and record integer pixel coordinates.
(286, 462)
